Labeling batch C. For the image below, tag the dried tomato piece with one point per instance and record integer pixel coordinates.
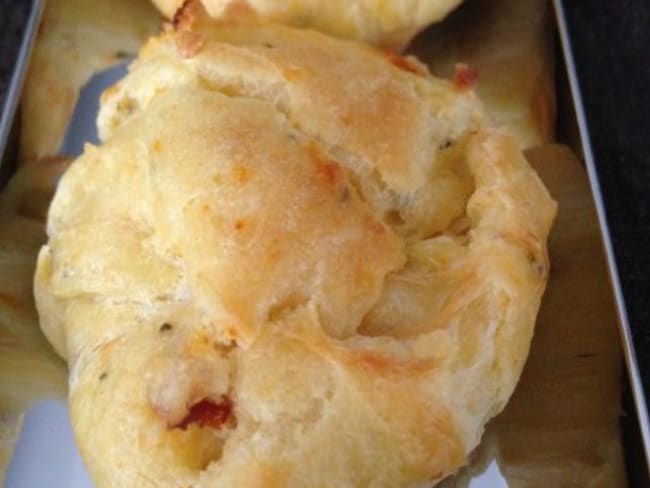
(465, 77)
(207, 413)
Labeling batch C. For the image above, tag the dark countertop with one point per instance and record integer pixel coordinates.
(13, 17)
(611, 44)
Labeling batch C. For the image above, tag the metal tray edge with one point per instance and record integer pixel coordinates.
(20, 71)
(589, 159)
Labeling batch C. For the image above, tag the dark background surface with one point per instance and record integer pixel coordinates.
(13, 18)
(611, 46)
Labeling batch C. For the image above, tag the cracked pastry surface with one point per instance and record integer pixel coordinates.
(294, 261)
(390, 23)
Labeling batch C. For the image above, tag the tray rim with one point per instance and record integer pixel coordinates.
(625, 330)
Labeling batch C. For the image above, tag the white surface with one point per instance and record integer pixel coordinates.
(45, 455)
(490, 478)
(82, 127)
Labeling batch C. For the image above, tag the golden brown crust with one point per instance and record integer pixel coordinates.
(509, 45)
(389, 24)
(298, 226)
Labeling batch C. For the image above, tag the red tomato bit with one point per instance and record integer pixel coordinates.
(465, 77)
(206, 413)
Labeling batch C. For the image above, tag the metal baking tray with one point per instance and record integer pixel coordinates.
(46, 456)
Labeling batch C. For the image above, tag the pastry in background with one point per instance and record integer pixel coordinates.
(294, 261)
(506, 48)
(76, 39)
(29, 368)
(391, 23)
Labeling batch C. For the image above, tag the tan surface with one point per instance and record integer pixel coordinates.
(76, 39)
(509, 43)
(10, 424)
(391, 23)
(355, 267)
(29, 369)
